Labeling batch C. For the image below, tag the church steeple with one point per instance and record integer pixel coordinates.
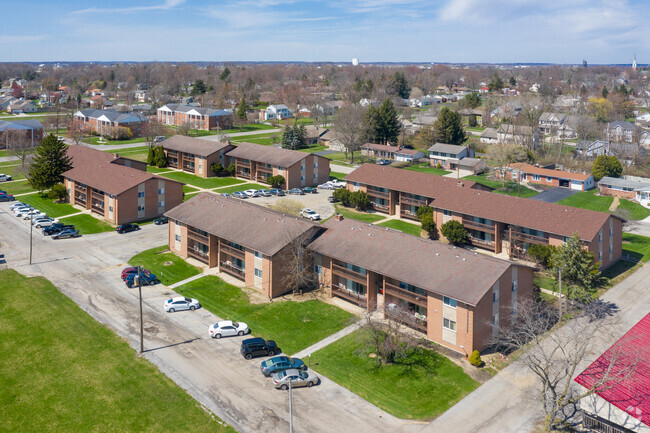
(634, 62)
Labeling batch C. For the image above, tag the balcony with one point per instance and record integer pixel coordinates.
(97, 207)
(227, 249)
(80, 199)
(241, 163)
(380, 207)
(408, 214)
(244, 174)
(414, 323)
(525, 237)
(342, 271)
(473, 225)
(261, 168)
(236, 272)
(482, 243)
(199, 255)
(375, 193)
(204, 239)
(405, 295)
(412, 201)
(344, 293)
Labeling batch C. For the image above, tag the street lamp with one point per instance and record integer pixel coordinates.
(31, 233)
(290, 407)
(141, 319)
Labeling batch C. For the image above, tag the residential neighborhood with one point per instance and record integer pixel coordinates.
(255, 218)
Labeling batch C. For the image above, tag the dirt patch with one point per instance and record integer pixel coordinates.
(168, 263)
(614, 205)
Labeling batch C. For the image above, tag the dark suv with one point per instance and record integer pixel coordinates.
(56, 228)
(125, 228)
(252, 347)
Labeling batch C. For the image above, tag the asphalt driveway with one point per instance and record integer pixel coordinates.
(554, 195)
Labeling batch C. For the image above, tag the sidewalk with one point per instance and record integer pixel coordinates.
(326, 341)
(187, 280)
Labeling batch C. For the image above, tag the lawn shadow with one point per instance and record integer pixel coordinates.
(175, 344)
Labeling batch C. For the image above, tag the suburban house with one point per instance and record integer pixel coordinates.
(313, 134)
(448, 155)
(332, 140)
(5, 101)
(627, 132)
(468, 113)
(518, 134)
(299, 169)
(458, 298)
(621, 383)
(546, 176)
(118, 189)
(102, 121)
(627, 187)
(393, 153)
(494, 221)
(643, 120)
(21, 106)
(202, 118)
(423, 119)
(489, 136)
(558, 124)
(508, 111)
(279, 111)
(195, 155)
(32, 128)
(249, 242)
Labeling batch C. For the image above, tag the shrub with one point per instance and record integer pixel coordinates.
(360, 200)
(606, 166)
(58, 192)
(472, 121)
(231, 169)
(455, 232)
(160, 159)
(343, 196)
(541, 254)
(475, 359)
(429, 226)
(439, 166)
(424, 211)
(151, 155)
(276, 181)
(288, 206)
(218, 169)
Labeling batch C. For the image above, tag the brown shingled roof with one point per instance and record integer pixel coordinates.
(430, 265)
(268, 154)
(528, 168)
(235, 220)
(197, 146)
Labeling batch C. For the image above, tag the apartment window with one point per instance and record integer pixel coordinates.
(611, 228)
(161, 203)
(258, 254)
(536, 177)
(279, 170)
(514, 286)
(177, 238)
(449, 301)
(161, 190)
(318, 269)
(548, 179)
(355, 184)
(258, 273)
(141, 194)
(600, 235)
(302, 166)
(140, 208)
(449, 324)
(600, 255)
(302, 177)
(495, 319)
(316, 164)
(110, 208)
(446, 212)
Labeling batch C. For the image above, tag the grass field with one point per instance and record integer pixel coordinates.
(423, 386)
(264, 141)
(636, 246)
(44, 204)
(293, 325)
(315, 148)
(95, 140)
(337, 175)
(359, 216)
(13, 169)
(87, 225)
(63, 371)
(188, 189)
(511, 188)
(155, 260)
(17, 187)
(201, 182)
(589, 200)
(186, 197)
(403, 226)
(426, 168)
(157, 170)
(242, 187)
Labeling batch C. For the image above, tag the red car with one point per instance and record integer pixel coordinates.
(132, 270)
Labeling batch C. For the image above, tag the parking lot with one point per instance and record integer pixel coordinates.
(317, 202)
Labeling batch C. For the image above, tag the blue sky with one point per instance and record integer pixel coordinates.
(554, 31)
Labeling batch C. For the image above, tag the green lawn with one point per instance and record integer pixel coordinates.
(426, 168)
(156, 170)
(403, 226)
(44, 204)
(264, 141)
(63, 371)
(511, 188)
(87, 225)
(589, 200)
(188, 189)
(155, 260)
(293, 325)
(314, 148)
(201, 182)
(13, 169)
(248, 128)
(636, 246)
(424, 386)
(360, 216)
(17, 187)
(95, 140)
(186, 197)
(128, 150)
(337, 175)
(243, 187)
(339, 157)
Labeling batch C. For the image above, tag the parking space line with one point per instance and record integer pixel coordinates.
(112, 267)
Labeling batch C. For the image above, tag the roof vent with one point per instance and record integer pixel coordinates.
(437, 254)
(464, 259)
(457, 256)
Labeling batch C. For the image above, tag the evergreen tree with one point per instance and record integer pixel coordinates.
(287, 137)
(449, 128)
(605, 92)
(49, 163)
(242, 109)
(225, 74)
(151, 155)
(496, 83)
(580, 271)
(399, 86)
(199, 88)
(160, 159)
(382, 123)
(471, 100)
(605, 165)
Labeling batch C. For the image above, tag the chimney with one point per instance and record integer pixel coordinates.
(338, 217)
(460, 183)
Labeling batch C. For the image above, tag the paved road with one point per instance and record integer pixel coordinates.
(554, 195)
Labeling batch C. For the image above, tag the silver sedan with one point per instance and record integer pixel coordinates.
(297, 378)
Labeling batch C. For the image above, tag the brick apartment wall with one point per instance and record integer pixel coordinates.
(126, 209)
(630, 195)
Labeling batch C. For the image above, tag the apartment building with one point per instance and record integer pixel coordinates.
(195, 155)
(116, 188)
(31, 128)
(495, 222)
(195, 117)
(102, 121)
(458, 298)
(299, 169)
(249, 242)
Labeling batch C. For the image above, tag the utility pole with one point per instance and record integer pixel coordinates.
(31, 232)
(290, 407)
(560, 288)
(141, 320)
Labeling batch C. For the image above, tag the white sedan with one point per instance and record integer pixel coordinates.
(43, 222)
(181, 303)
(310, 214)
(326, 185)
(228, 328)
(252, 193)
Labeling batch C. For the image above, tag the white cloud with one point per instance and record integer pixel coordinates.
(167, 4)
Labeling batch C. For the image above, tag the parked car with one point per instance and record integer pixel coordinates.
(133, 270)
(337, 183)
(66, 234)
(41, 223)
(332, 199)
(161, 220)
(276, 191)
(281, 363)
(264, 193)
(258, 347)
(159, 138)
(181, 303)
(56, 228)
(15, 205)
(7, 197)
(227, 328)
(309, 190)
(383, 162)
(33, 214)
(240, 194)
(125, 228)
(22, 211)
(5, 178)
(225, 194)
(145, 279)
(310, 214)
(297, 378)
(326, 185)
(295, 191)
(252, 193)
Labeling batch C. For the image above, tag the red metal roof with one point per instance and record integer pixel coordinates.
(631, 394)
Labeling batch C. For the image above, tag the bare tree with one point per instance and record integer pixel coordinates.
(76, 131)
(298, 262)
(20, 145)
(385, 338)
(555, 355)
(350, 127)
(150, 130)
(288, 206)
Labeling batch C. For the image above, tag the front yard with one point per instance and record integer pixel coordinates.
(16, 187)
(168, 267)
(201, 182)
(293, 325)
(87, 224)
(62, 371)
(359, 216)
(403, 226)
(511, 188)
(422, 386)
(589, 200)
(44, 204)
(426, 168)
